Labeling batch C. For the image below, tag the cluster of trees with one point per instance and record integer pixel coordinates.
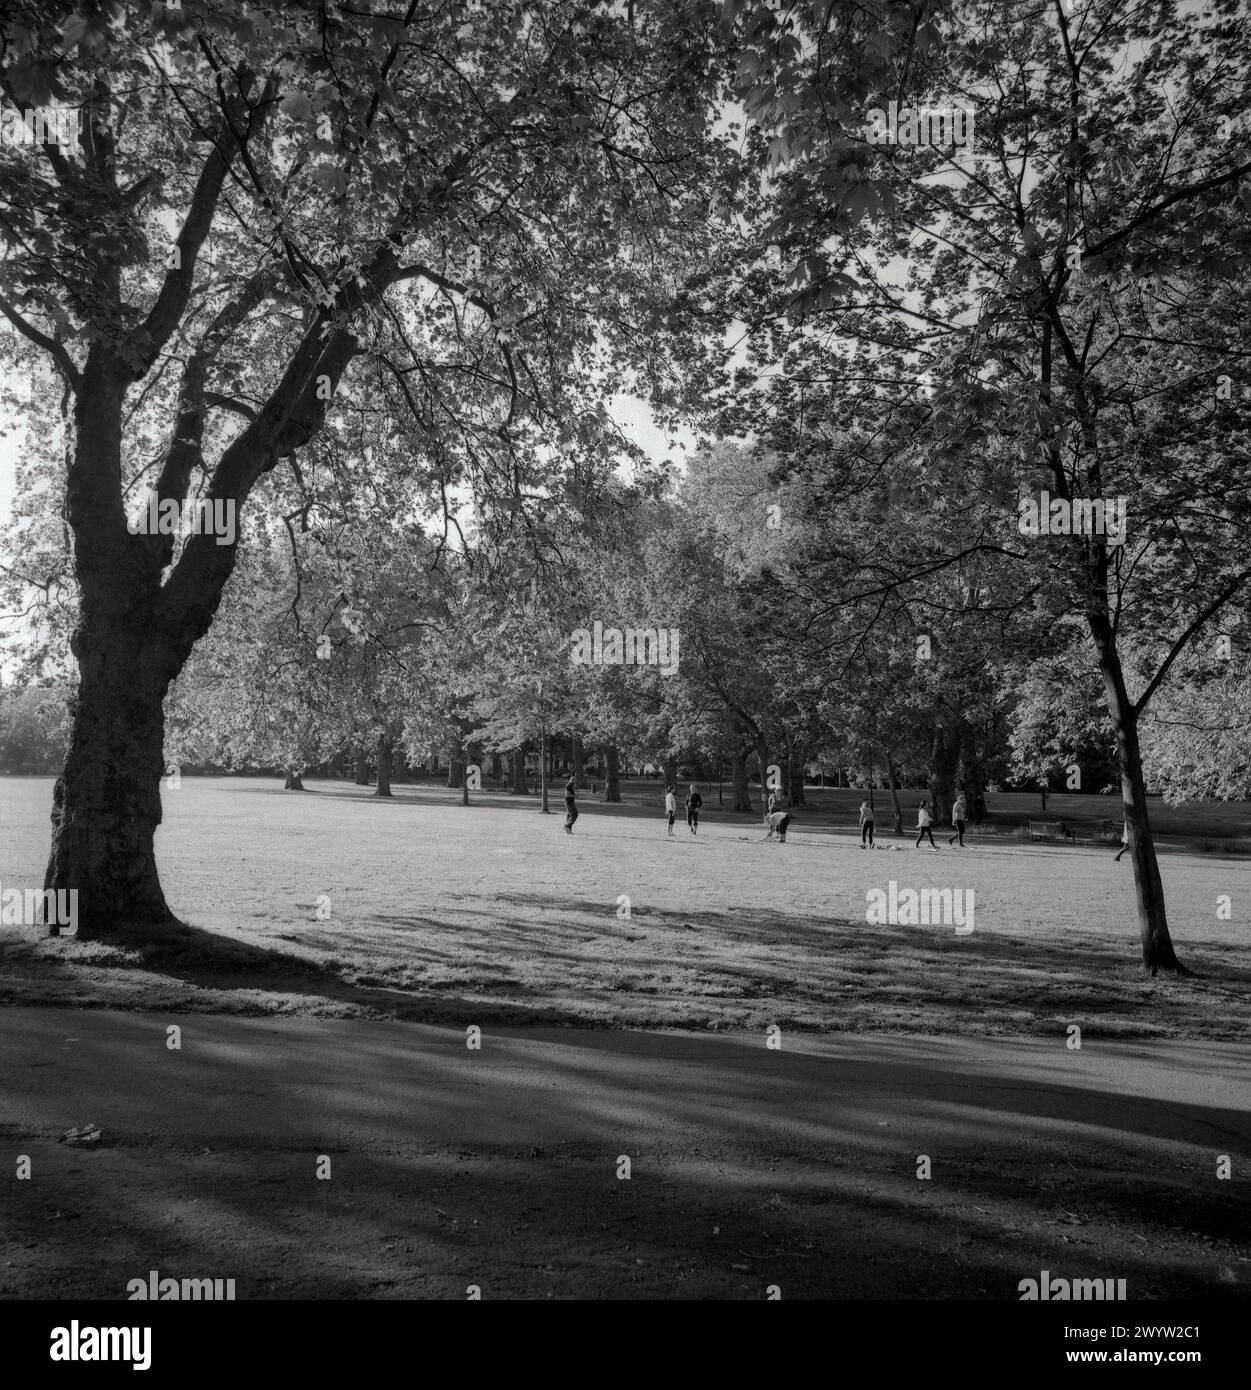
(364, 276)
(32, 729)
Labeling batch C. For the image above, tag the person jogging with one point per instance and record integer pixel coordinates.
(866, 825)
(924, 821)
(571, 806)
(778, 821)
(693, 802)
(671, 807)
(959, 814)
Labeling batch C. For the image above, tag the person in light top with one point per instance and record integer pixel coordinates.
(924, 821)
(959, 814)
(1124, 849)
(866, 824)
(671, 807)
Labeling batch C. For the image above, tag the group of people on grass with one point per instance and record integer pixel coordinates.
(693, 803)
(777, 819)
(925, 823)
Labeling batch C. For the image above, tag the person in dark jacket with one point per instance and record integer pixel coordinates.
(693, 802)
(571, 806)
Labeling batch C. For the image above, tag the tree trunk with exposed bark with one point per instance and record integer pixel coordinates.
(386, 760)
(892, 781)
(742, 787)
(612, 783)
(1157, 943)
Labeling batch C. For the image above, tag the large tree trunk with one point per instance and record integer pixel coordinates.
(106, 804)
(670, 770)
(1157, 944)
(973, 780)
(579, 762)
(386, 756)
(612, 784)
(136, 624)
(362, 766)
(944, 758)
(107, 801)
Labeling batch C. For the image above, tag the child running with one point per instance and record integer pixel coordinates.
(924, 820)
(671, 806)
(866, 825)
(693, 802)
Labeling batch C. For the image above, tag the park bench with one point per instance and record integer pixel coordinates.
(1047, 830)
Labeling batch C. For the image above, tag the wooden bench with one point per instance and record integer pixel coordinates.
(1050, 830)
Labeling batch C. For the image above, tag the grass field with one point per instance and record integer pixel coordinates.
(441, 913)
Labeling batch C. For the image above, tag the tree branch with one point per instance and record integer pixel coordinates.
(1179, 646)
(41, 340)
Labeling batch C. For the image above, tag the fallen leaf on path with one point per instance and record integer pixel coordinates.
(88, 1134)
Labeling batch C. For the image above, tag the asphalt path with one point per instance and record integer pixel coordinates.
(572, 1162)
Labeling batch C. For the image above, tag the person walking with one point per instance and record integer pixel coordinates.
(571, 806)
(671, 807)
(1124, 840)
(924, 821)
(693, 802)
(866, 825)
(959, 814)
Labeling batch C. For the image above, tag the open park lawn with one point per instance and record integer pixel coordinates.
(330, 1133)
(446, 914)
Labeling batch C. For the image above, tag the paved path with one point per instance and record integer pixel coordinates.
(499, 1167)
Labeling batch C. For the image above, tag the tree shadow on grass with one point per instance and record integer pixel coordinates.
(1072, 971)
(212, 962)
(579, 965)
(500, 1169)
